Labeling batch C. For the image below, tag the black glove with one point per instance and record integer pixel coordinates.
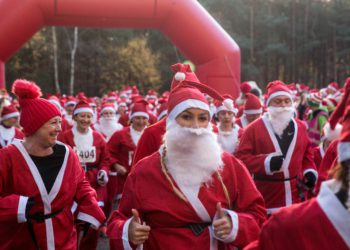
(30, 204)
(276, 163)
(82, 226)
(309, 179)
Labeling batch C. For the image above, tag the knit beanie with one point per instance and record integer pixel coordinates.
(35, 111)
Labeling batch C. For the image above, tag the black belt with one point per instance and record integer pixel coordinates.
(258, 178)
(40, 218)
(197, 228)
(88, 168)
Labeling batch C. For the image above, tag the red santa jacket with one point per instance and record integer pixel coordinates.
(150, 140)
(102, 158)
(20, 179)
(168, 215)
(258, 145)
(320, 223)
(17, 134)
(317, 155)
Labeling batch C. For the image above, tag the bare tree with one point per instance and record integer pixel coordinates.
(73, 49)
(55, 60)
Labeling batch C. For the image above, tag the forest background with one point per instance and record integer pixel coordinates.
(306, 41)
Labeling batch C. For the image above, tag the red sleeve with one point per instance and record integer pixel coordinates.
(308, 162)
(248, 204)
(85, 195)
(254, 162)
(113, 146)
(145, 146)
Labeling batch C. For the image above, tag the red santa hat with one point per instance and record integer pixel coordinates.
(8, 112)
(344, 103)
(245, 87)
(134, 90)
(277, 88)
(54, 99)
(71, 101)
(82, 107)
(252, 105)
(333, 86)
(183, 73)
(344, 142)
(92, 102)
(151, 94)
(35, 111)
(162, 110)
(107, 106)
(81, 96)
(139, 109)
(229, 105)
(112, 97)
(190, 95)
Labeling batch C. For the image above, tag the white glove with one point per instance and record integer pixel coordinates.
(102, 177)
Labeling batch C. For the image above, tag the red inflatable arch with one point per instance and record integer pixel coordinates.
(185, 22)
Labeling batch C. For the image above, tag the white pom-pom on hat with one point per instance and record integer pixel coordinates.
(180, 76)
(332, 134)
(228, 103)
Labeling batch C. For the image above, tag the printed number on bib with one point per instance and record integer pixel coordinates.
(86, 155)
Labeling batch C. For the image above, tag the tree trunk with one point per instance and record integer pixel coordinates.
(72, 62)
(252, 20)
(55, 60)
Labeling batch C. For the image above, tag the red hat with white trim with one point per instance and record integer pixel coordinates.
(228, 106)
(8, 112)
(35, 111)
(338, 113)
(82, 107)
(163, 108)
(71, 100)
(333, 86)
(277, 88)
(252, 105)
(54, 99)
(183, 73)
(190, 95)
(139, 109)
(107, 106)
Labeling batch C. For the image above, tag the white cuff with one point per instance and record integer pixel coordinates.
(234, 231)
(125, 236)
(267, 162)
(312, 171)
(21, 211)
(88, 218)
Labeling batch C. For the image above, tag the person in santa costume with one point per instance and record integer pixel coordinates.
(91, 149)
(65, 125)
(252, 110)
(189, 194)
(277, 152)
(108, 123)
(8, 130)
(320, 223)
(40, 178)
(69, 106)
(122, 146)
(152, 137)
(228, 131)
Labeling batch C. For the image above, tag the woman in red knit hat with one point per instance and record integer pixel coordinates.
(39, 180)
(189, 194)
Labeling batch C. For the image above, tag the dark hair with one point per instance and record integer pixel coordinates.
(255, 92)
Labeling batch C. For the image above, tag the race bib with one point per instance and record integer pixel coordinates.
(86, 155)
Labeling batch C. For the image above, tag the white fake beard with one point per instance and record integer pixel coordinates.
(280, 118)
(193, 155)
(109, 126)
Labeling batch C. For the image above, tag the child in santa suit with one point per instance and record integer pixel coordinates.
(8, 130)
(90, 147)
